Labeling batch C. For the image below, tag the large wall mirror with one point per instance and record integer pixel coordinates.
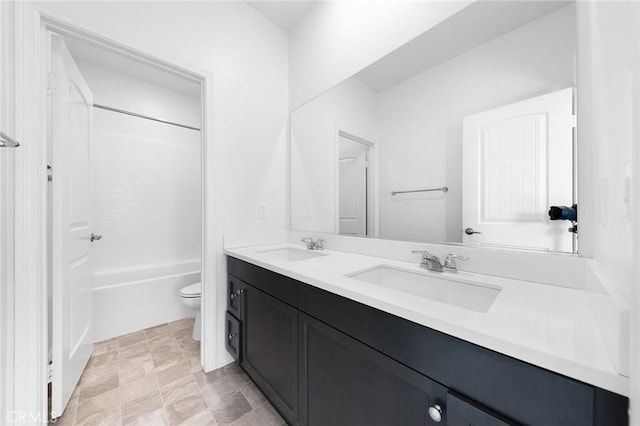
(463, 135)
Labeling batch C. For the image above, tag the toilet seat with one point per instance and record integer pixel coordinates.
(191, 291)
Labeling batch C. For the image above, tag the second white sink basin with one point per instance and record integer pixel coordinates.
(441, 288)
(292, 254)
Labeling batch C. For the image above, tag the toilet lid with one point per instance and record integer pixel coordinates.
(193, 290)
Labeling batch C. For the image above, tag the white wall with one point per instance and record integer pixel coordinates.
(421, 120)
(337, 39)
(606, 119)
(350, 107)
(118, 90)
(247, 56)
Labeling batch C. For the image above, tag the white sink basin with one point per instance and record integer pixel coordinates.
(292, 254)
(442, 288)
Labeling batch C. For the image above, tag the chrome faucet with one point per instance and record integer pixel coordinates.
(429, 261)
(313, 245)
(450, 262)
(432, 262)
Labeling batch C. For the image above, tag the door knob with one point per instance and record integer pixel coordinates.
(95, 237)
(470, 231)
(435, 412)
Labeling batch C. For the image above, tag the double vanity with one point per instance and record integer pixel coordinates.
(342, 338)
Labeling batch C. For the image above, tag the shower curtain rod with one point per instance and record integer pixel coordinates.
(146, 117)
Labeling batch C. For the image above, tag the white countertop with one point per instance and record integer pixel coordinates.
(548, 326)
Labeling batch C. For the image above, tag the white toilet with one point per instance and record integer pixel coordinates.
(190, 296)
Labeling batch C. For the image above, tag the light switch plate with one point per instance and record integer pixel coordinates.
(262, 211)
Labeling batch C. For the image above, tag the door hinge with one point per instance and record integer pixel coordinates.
(50, 373)
(574, 121)
(52, 81)
(49, 173)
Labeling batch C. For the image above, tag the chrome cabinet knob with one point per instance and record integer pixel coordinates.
(435, 412)
(95, 237)
(470, 231)
(232, 336)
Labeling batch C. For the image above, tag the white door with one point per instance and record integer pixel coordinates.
(72, 301)
(518, 161)
(352, 187)
(7, 155)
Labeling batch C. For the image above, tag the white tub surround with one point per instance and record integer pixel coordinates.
(550, 326)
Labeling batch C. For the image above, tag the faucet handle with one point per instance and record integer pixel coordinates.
(309, 242)
(320, 244)
(450, 260)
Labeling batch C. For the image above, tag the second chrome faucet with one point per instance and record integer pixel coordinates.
(313, 245)
(432, 262)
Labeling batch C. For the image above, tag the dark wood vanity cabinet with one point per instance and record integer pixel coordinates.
(268, 350)
(322, 359)
(344, 382)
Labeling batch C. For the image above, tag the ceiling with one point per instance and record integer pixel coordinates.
(284, 13)
(473, 26)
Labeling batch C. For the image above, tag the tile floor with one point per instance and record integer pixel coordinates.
(153, 377)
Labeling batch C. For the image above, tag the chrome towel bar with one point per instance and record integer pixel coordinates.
(443, 189)
(7, 141)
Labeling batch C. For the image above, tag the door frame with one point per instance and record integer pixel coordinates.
(372, 180)
(31, 316)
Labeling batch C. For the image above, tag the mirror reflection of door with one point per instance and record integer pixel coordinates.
(353, 187)
(517, 161)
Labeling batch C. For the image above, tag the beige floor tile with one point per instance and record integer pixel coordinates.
(203, 418)
(99, 373)
(154, 418)
(180, 334)
(92, 409)
(193, 361)
(132, 338)
(140, 407)
(253, 395)
(107, 418)
(217, 391)
(135, 351)
(269, 415)
(136, 370)
(239, 379)
(250, 419)
(138, 388)
(185, 408)
(179, 389)
(105, 346)
(173, 373)
(159, 330)
(102, 359)
(210, 377)
(99, 386)
(154, 378)
(187, 344)
(164, 360)
(230, 409)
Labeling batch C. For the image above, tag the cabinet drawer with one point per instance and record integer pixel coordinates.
(464, 412)
(235, 290)
(233, 336)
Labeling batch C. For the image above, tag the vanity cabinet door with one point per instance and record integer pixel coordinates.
(270, 349)
(344, 382)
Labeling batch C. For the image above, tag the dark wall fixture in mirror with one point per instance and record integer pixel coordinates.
(481, 105)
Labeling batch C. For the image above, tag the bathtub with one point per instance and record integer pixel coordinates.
(127, 300)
